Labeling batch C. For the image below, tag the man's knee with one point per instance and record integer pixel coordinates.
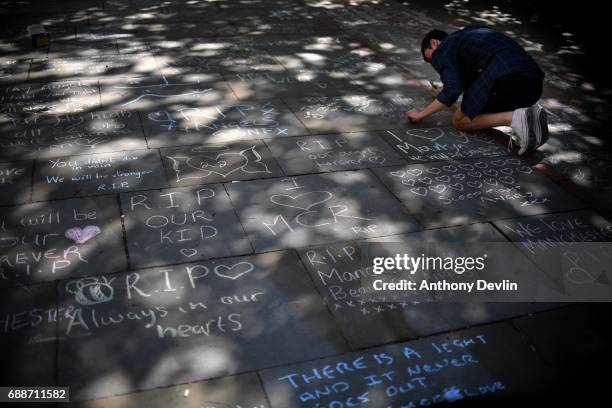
(460, 121)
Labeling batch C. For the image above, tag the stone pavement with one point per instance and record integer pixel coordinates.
(186, 188)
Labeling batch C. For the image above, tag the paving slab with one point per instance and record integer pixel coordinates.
(180, 225)
(28, 320)
(159, 93)
(338, 271)
(54, 97)
(35, 136)
(60, 239)
(250, 4)
(206, 58)
(399, 46)
(15, 182)
(572, 340)
(243, 390)
(13, 70)
(296, 27)
(90, 41)
(315, 209)
(573, 248)
(61, 65)
(584, 160)
(215, 163)
(353, 113)
(462, 366)
(359, 68)
(190, 322)
(463, 192)
(266, 85)
(222, 122)
(318, 154)
(94, 174)
(432, 144)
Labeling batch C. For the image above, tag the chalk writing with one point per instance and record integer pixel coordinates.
(300, 210)
(310, 154)
(240, 121)
(34, 248)
(55, 97)
(178, 224)
(49, 135)
(435, 144)
(415, 374)
(572, 248)
(98, 174)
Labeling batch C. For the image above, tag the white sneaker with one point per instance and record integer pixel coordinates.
(530, 125)
(520, 126)
(538, 118)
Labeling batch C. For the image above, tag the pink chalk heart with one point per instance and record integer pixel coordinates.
(81, 236)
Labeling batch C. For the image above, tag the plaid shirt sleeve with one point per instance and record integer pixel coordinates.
(451, 78)
(445, 61)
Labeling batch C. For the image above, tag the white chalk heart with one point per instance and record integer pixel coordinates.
(444, 179)
(188, 252)
(525, 169)
(235, 271)
(414, 172)
(432, 134)
(466, 167)
(507, 171)
(491, 181)
(481, 165)
(491, 172)
(80, 236)
(507, 180)
(434, 170)
(439, 188)
(304, 201)
(450, 168)
(422, 191)
(474, 184)
(399, 173)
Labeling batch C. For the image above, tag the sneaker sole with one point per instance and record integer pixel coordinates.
(543, 127)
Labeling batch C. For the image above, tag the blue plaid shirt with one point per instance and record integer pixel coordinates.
(470, 60)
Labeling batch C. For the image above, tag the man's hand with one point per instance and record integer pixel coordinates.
(413, 116)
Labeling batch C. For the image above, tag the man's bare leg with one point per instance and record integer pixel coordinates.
(480, 122)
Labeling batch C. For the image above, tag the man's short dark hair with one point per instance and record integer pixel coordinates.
(432, 35)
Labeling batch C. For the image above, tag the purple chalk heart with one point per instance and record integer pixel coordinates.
(81, 236)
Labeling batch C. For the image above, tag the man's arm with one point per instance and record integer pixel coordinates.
(452, 89)
(416, 116)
